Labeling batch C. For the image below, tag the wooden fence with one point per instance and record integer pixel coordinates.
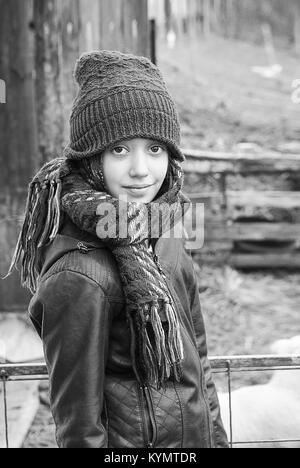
(240, 19)
(226, 365)
(240, 227)
(39, 44)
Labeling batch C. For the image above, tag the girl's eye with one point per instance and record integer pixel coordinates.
(119, 150)
(157, 149)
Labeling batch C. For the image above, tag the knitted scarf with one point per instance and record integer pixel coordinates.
(126, 228)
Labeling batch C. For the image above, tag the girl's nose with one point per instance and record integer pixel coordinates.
(139, 165)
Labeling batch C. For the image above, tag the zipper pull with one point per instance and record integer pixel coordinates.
(82, 248)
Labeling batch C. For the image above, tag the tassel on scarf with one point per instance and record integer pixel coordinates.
(40, 226)
(158, 349)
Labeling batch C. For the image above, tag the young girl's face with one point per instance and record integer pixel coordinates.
(135, 168)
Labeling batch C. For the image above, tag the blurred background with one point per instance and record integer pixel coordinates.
(232, 67)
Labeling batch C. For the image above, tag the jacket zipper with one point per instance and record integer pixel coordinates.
(159, 267)
(147, 416)
(151, 416)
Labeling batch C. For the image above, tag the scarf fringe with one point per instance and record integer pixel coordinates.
(160, 353)
(40, 227)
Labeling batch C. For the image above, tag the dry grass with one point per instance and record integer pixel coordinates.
(246, 312)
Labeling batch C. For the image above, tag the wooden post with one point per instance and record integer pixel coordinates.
(48, 80)
(89, 34)
(153, 41)
(68, 53)
(231, 18)
(296, 14)
(125, 28)
(168, 15)
(215, 7)
(18, 135)
(206, 19)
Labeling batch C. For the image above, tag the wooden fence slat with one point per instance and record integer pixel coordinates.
(216, 362)
(201, 162)
(214, 231)
(255, 361)
(282, 260)
(249, 199)
(89, 37)
(219, 257)
(69, 50)
(125, 28)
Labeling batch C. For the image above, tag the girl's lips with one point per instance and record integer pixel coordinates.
(138, 189)
(137, 186)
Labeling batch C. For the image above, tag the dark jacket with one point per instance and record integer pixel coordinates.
(96, 401)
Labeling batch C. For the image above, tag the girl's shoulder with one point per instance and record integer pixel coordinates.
(92, 261)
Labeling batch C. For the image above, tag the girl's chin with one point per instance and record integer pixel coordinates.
(143, 199)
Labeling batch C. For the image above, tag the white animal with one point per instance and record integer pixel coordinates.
(270, 411)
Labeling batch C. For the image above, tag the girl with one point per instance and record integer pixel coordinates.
(116, 299)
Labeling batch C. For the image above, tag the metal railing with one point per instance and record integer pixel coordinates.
(226, 365)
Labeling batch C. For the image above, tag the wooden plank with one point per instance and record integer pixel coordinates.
(216, 362)
(250, 199)
(211, 247)
(260, 231)
(274, 199)
(254, 362)
(211, 162)
(22, 370)
(214, 231)
(213, 257)
(282, 260)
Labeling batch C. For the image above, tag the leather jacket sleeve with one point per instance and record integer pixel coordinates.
(71, 312)
(221, 440)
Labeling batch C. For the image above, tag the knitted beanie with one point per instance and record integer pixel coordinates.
(120, 96)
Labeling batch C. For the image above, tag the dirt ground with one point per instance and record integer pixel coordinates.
(223, 105)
